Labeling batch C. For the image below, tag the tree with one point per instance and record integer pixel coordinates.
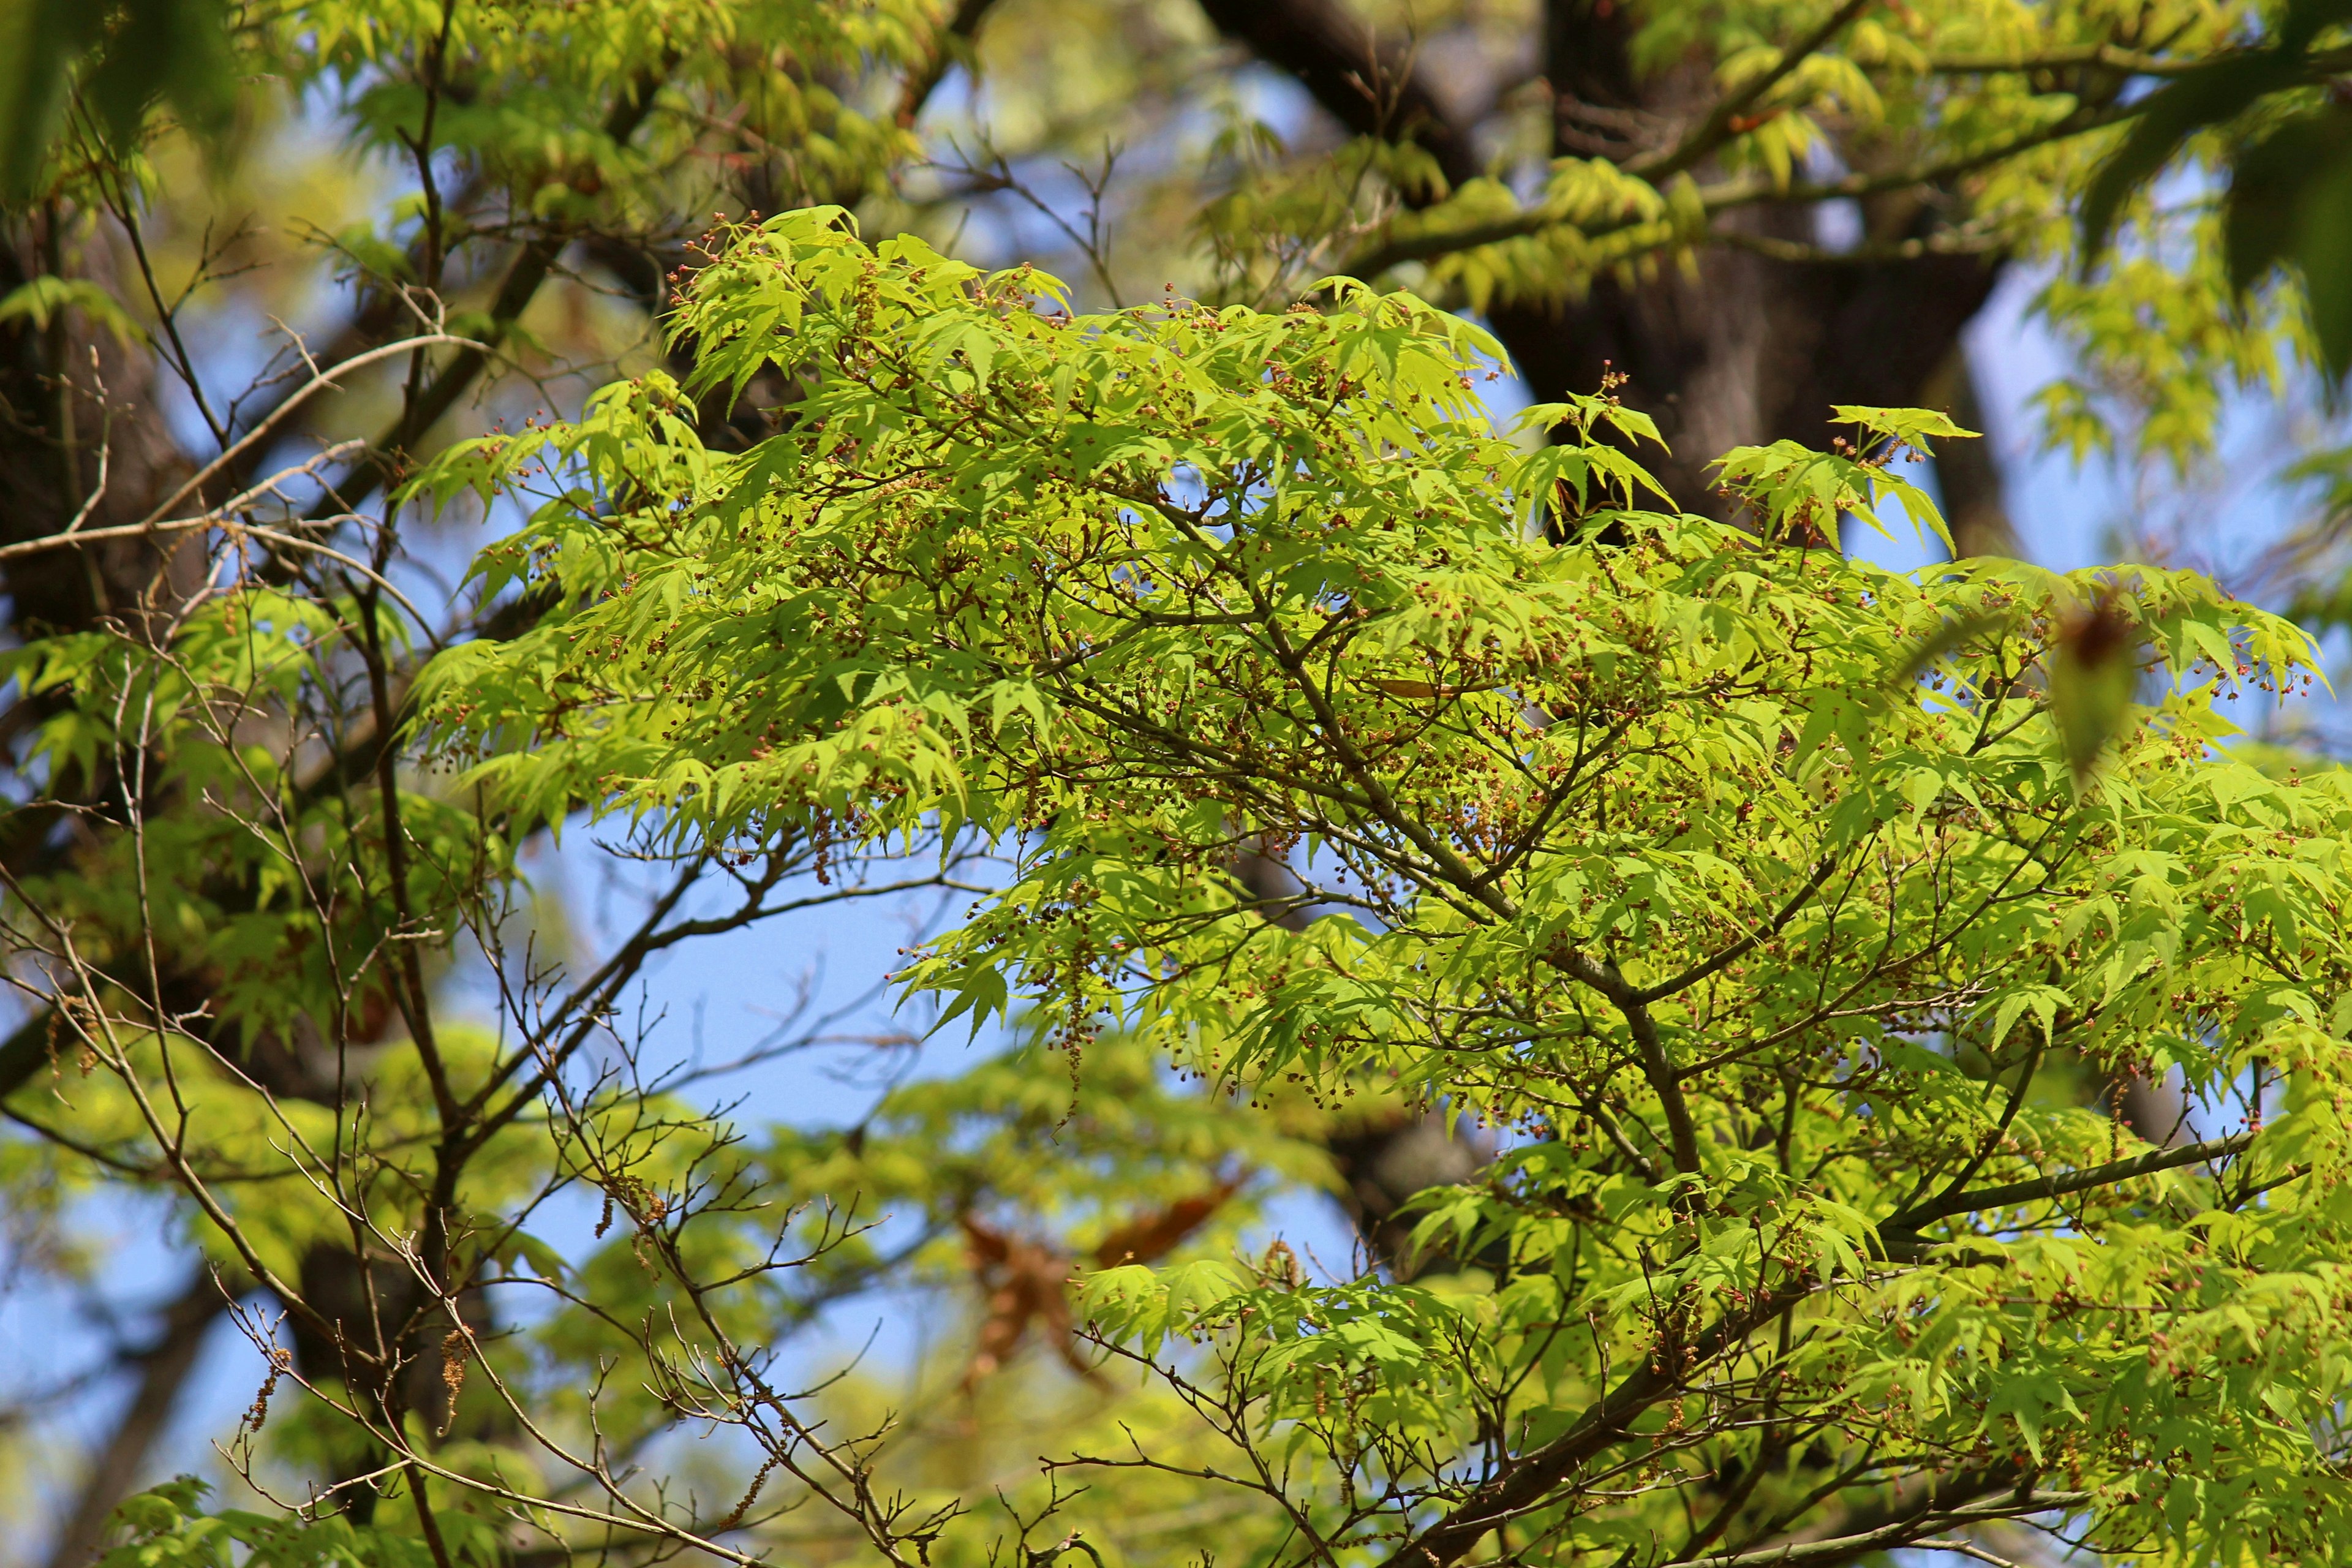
(1652, 845)
(241, 887)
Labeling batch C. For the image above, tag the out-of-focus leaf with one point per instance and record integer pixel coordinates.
(39, 42)
(2289, 204)
(39, 299)
(2208, 96)
(2211, 94)
(2290, 199)
(126, 56)
(1950, 638)
(2092, 669)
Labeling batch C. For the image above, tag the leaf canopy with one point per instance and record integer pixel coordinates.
(1753, 890)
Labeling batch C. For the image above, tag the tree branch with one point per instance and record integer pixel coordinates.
(1371, 88)
(2131, 62)
(1745, 945)
(1525, 1483)
(1726, 122)
(1681, 1131)
(1727, 196)
(385, 456)
(1970, 1496)
(2010, 1195)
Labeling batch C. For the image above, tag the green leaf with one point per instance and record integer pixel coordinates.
(119, 58)
(39, 300)
(2290, 203)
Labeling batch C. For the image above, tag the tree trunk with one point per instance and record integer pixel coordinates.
(163, 1369)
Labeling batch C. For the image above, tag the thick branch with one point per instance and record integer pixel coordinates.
(387, 454)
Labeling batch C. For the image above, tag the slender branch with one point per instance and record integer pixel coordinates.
(293, 400)
(30, 1044)
(1728, 119)
(118, 202)
(1656, 1067)
(389, 452)
(1372, 90)
(1745, 945)
(73, 539)
(1918, 1524)
(1525, 1483)
(1870, 254)
(415, 1005)
(1992, 1138)
(2112, 1173)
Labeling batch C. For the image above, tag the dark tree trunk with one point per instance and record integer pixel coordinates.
(116, 1469)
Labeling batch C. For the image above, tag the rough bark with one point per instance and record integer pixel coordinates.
(1743, 348)
(1974, 507)
(1371, 85)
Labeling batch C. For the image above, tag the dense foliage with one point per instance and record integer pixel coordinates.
(1653, 846)
(1812, 1060)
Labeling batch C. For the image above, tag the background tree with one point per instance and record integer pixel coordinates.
(472, 215)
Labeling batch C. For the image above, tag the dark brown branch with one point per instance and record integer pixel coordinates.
(1527, 1481)
(926, 76)
(1373, 89)
(2042, 1188)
